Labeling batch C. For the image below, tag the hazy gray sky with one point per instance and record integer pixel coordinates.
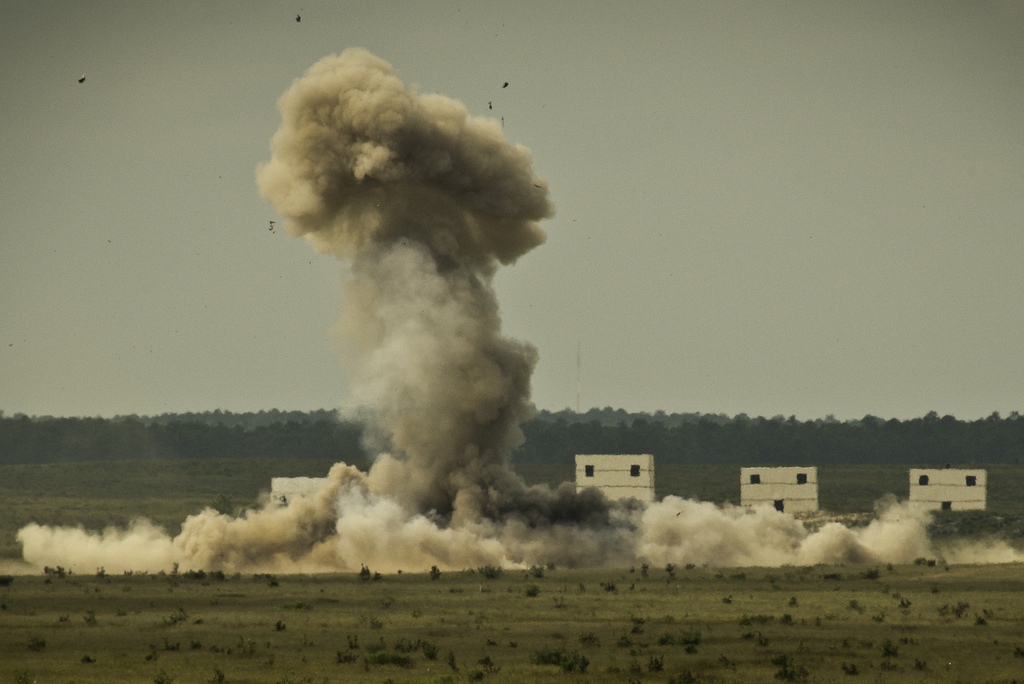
(799, 208)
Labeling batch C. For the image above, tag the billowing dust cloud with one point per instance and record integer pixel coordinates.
(423, 203)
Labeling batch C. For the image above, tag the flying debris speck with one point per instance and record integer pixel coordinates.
(298, 17)
(272, 226)
(82, 79)
(506, 85)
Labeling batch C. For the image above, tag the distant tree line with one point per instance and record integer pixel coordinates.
(716, 439)
(689, 438)
(216, 434)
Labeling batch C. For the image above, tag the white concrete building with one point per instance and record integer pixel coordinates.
(286, 489)
(948, 489)
(618, 476)
(793, 490)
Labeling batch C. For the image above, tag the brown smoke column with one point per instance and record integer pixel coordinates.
(425, 201)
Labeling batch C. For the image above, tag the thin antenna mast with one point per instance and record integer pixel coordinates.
(578, 375)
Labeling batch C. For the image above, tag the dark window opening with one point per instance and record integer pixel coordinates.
(947, 505)
(801, 478)
(588, 471)
(634, 471)
(755, 479)
(972, 480)
(779, 505)
(923, 480)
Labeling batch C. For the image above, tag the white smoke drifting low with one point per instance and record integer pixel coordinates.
(425, 203)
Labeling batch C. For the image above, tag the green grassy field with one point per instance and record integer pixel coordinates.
(817, 624)
(914, 623)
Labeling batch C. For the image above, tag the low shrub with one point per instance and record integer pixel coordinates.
(569, 661)
(389, 658)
